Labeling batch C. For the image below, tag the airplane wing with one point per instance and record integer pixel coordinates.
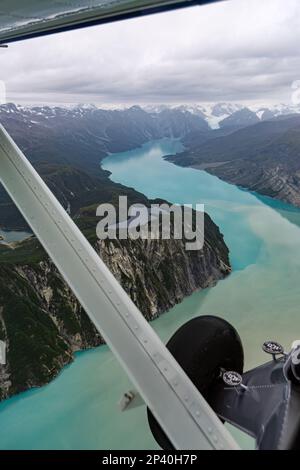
(22, 20)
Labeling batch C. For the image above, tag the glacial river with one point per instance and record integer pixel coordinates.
(261, 298)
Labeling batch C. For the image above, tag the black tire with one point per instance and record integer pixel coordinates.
(202, 347)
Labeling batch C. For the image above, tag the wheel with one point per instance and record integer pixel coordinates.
(202, 346)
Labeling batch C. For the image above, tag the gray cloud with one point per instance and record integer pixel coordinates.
(239, 50)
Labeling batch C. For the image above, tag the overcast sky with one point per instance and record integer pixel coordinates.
(240, 50)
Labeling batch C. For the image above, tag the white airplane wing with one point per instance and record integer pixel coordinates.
(21, 19)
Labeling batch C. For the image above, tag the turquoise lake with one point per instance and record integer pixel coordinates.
(261, 298)
(8, 236)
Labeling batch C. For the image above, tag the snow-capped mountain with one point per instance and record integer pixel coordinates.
(217, 115)
(156, 108)
(221, 109)
(212, 113)
(242, 118)
(112, 128)
(44, 112)
(282, 109)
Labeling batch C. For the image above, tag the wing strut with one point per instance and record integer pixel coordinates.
(180, 409)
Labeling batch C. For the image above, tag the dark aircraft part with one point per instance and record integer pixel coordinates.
(49, 17)
(263, 402)
(203, 347)
(267, 407)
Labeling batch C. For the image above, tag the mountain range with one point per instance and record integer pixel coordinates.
(217, 114)
(60, 141)
(262, 157)
(257, 149)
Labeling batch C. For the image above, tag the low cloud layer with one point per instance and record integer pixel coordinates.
(239, 50)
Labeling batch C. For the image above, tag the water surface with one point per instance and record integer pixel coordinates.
(8, 236)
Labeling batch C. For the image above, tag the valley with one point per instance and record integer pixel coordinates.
(41, 322)
(255, 236)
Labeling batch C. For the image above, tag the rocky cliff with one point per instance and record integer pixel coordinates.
(43, 324)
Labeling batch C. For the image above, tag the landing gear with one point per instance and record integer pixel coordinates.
(203, 347)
